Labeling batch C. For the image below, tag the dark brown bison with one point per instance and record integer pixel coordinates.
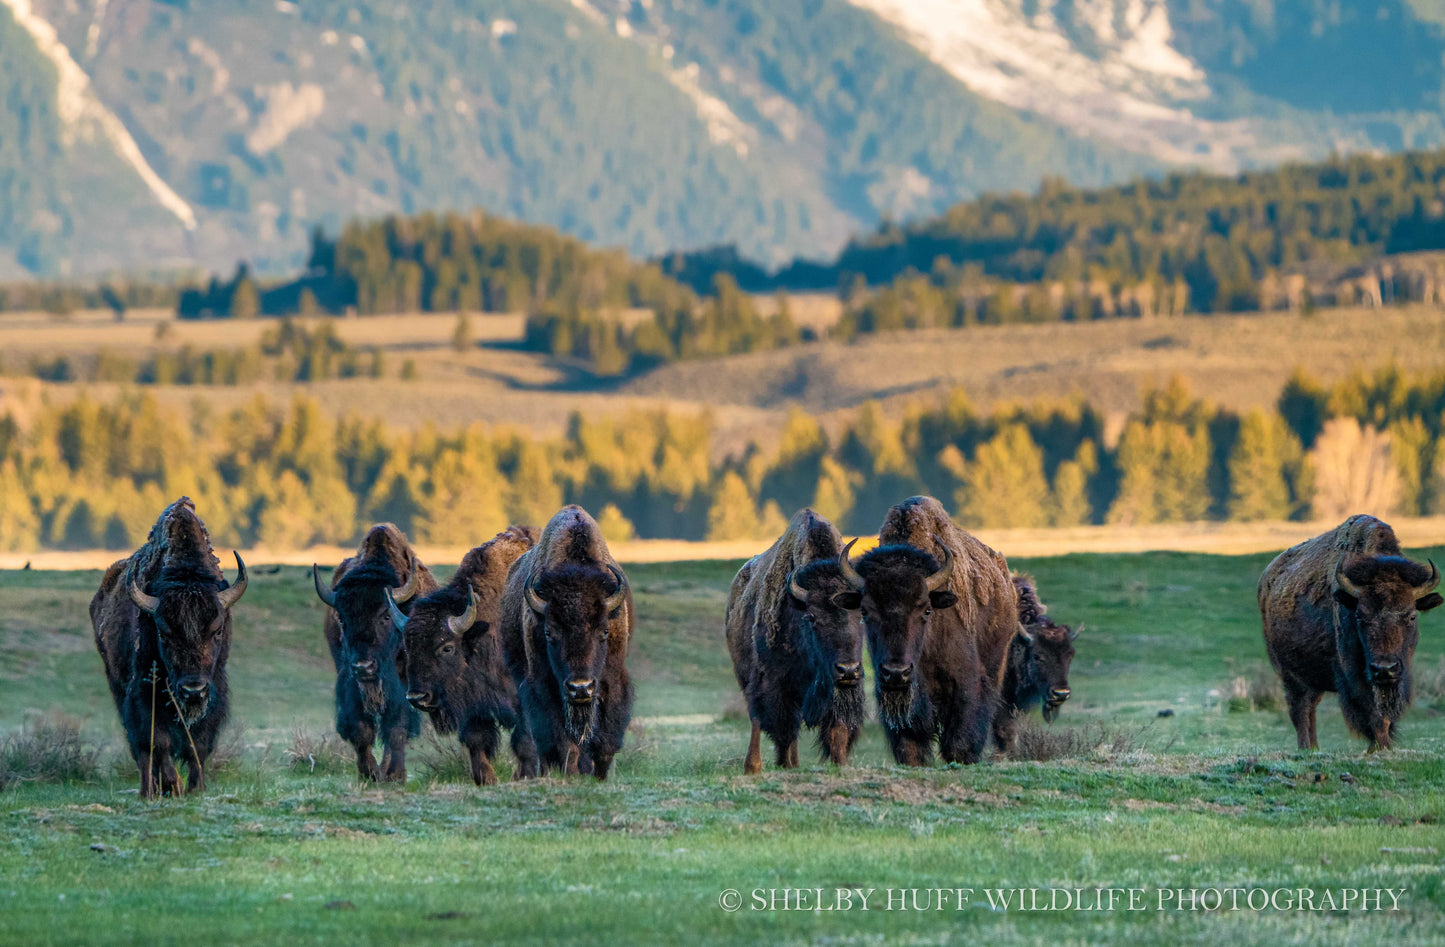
(162, 622)
(453, 663)
(940, 612)
(1339, 615)
(797, 650)
(1037, 671)
(567, 612)
(370, 696)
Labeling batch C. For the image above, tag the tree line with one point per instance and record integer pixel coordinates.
(91, 474)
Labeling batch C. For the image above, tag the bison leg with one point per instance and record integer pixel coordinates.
(601, 764)
(1005, 724)
(524, 749)
(1303, 701)
(394, 768)
(838, 739)
(910, 747)
(482, 772)
(967, 725)
(1363, 717)
(753, 762)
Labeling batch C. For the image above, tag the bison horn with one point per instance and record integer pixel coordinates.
(146, 603)
(614, 601)
(845, 567)
(232, 593)
(322, 591)
(940, 578)
(796, 590)
(1025, 634)
(407, 589)
(1075, 632)
(398, 617)
(458, 624)
(534, 601)
(1347, 586)
(1431, 582)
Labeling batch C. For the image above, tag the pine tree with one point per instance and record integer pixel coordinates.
(19, 523)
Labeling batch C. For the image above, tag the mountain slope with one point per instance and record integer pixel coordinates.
(165, 133)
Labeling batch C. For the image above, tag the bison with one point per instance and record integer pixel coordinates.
(1037, 671)
(566, 626)
(1340, 614)
(453, 664)
(796, 648)
(370, 696)
(940, 612)
(162, 622)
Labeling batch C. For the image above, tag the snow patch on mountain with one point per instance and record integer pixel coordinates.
(82, 112)
(1110, 70)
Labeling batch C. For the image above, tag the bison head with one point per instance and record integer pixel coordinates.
(440, 638)
(575, 605)
(193, 628)
(1050, 651)
(1384, 595)
(900, 587)
(825, 605)
(368, 638)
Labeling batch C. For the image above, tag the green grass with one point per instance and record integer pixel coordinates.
(274, 852)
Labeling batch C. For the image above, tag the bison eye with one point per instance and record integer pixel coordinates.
(447, 649)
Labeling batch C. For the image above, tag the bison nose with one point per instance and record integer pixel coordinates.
(580, 692)
(1385, 672)
(421, 700)
(193, 687)
(895, 676)
(850, 672)
(1059, 694)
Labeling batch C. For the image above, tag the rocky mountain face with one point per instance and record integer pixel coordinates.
(151, 135)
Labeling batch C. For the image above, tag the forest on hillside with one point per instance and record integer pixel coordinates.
(93, 474)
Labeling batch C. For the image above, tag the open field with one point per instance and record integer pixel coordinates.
(1237, 361)
(278, 851)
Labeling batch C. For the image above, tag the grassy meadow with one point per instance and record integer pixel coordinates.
(287, 846)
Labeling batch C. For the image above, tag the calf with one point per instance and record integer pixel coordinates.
(1037, 671)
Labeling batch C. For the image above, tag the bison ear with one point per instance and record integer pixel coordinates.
(848, 601)
(1433, 600)
(942, 598)
(472, 637)
(1345, 598)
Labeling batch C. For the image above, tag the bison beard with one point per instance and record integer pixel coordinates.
(579, 719)
(849, 705)
(896, 706)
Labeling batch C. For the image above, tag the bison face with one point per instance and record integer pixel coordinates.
(369, 641)
(1385, 595)
(440, 638)
(575, 608)
(1050, 652)
(831, 636)
(900, 589)
(193, 632)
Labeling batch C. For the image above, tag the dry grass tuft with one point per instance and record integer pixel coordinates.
(1095, 740)
(48, 749)
(324, 754)
(1257, 689)
(1429, 685)
(443, 759)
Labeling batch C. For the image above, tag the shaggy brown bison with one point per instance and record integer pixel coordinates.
(162, 622)
(1339, 615)
(453, 663)
(940, 612)
(1037, 671)
(797, 650)
(370, 696)
(567, 611)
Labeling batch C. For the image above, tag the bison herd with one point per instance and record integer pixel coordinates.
(533, 631)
